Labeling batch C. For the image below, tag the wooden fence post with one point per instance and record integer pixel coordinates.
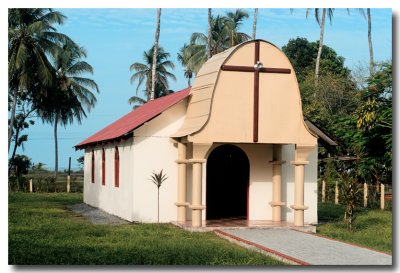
(336, 193)
(365, 195)
(382, 196)
(68, 183)
(30, 185)
(323, 191)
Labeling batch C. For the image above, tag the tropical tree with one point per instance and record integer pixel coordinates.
(302, 53)
(321, 22)
(72, 94)
(155, 51)
(371, 51)
(183, 58)
(255, 24)
(234, 21)
(32, 39)
(20, 166)
(209, 34)
(22, 121)
(224, 34)
(143, 74)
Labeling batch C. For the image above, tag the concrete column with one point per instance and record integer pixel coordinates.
(181, 202)
(197, 206)
(276, 203)
(382, 196)
(365, 195)
(30, 185)
(299, 192)
(323, 191)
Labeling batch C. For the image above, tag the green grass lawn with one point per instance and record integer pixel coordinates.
(43, 231)
(371, 228)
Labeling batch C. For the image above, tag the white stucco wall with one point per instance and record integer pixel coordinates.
(114, 200)
(153, 151)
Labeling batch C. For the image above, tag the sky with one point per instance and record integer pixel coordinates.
(117, 37)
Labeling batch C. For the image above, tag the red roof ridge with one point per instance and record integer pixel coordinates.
(135, 118)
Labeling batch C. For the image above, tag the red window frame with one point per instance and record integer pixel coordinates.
(103, 167)
(116, 167)
(92, 163)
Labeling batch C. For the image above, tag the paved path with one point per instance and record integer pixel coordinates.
(304, 248)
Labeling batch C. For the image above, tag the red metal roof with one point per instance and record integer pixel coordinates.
(135, 118)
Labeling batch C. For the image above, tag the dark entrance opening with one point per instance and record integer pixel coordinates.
(228, 171)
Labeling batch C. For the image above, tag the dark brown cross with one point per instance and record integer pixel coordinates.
(256, 69)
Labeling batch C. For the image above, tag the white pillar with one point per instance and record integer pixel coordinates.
(276, 203)
(181, 202)
(197, 205)
(301, 155)
(299, 192)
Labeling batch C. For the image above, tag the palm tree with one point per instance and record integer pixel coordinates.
(255, 23)
(224, 34)
(31, 40)
(233, 23)
(209, 34)
(183, 58)
(73, 94)
(371, 52)
(143, 73)
(321, 23)
(153, 67)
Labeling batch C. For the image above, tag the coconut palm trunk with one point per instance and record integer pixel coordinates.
(209, 53)
(12, 118)
(371, 52)
(321, 43)
(15, 146)
(153, 67)
(56, 147)
(255, 23)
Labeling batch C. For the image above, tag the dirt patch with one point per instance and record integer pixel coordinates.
(96, 215)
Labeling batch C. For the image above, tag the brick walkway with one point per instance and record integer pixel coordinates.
(303, 248)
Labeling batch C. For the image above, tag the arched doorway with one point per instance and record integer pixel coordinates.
(228, 171)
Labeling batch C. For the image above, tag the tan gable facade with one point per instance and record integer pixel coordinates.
(246, 95)
(221, 98)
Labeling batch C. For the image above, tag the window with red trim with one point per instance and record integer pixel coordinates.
(116, 167)
(92, 163)
(103, 167)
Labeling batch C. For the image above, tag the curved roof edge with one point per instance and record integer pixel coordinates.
(205, 82)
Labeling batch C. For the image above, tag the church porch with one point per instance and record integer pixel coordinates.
(277, 205)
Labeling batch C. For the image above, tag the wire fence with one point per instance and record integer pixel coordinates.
(46, 182)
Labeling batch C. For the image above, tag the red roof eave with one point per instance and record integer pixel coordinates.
(134, 119)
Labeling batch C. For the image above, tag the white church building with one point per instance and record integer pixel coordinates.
(233, 146)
